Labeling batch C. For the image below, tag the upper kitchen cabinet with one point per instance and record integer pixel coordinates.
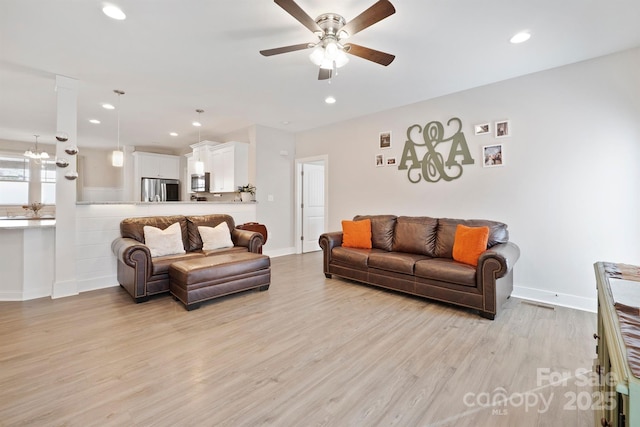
(152, 165)
(229, 166)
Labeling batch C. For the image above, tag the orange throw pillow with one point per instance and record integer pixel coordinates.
(356, 234)
(469, 243)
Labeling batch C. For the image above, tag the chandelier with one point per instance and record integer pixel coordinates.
(36, 154)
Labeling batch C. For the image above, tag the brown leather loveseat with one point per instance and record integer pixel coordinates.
(414, 255)
(143, 275)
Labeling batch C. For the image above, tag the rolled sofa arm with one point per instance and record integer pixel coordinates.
(327, 242)
(134, 266)
(503, 256)
(249, 239)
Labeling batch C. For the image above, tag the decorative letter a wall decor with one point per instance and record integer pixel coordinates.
(432, 167)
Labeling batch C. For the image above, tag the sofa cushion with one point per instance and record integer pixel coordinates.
(161, 264)
(400, 262)
(164, 242)
(415, 234)
(133, 228)
(446, 234)
(233, 249)
(446, 270)
(382, 228)
(194, 221)
(217, 237)
(356, 234)
(356, 258)
(469, 243)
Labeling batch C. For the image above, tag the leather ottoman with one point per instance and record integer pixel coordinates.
(196, 280)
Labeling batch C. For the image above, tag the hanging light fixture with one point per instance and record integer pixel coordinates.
(117, 156)
(35, 154)
(199, 166)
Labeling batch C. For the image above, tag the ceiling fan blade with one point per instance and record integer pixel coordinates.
(324, 74)
(296, 11)
(376, 13)
(369, 54)
(284, 49)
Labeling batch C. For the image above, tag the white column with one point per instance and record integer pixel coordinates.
(65, 281)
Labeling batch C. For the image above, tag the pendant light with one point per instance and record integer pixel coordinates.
(36, 155)
(117, 157)
(199, 165)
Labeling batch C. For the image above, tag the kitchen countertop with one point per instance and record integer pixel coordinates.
(29, 223)
(225, 202)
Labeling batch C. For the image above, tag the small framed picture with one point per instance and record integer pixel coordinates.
(503, 129)
(492, 156)
(379, 160)
(385, 140)
(391, 161)
(482, 129)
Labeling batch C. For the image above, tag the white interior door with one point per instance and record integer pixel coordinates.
(312, 205)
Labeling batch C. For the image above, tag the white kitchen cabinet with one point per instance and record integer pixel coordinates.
(152, 165)
(229, 166)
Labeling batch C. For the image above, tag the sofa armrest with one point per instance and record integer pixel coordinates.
(500, 258)
(249, 239)
(134, 266)
(327, 242)
(131, 252)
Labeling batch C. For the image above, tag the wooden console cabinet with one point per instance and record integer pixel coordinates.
(618, 345)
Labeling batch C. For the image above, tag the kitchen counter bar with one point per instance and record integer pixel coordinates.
(216, 202)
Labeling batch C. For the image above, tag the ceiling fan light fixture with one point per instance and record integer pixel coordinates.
(341, 59)
(317, 55)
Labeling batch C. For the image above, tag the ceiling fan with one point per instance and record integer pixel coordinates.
(329, 52)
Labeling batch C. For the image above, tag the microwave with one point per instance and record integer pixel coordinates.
(200, 182)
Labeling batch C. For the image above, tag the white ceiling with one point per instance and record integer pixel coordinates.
(174, 56)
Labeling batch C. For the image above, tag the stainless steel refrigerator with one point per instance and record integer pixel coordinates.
(160, 190)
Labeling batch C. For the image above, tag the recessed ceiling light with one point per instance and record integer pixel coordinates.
(521, 37)
(330, 100)
(94, 121)
(108, 107)
(197, 124)
(173, 134)
(114, 12)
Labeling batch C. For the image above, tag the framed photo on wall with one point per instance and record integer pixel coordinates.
(503, 129)
(391, 161)
(379, 160)
(385, 140)
(482, 129)
(492, 156)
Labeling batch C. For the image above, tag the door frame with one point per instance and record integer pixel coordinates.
(298, 196)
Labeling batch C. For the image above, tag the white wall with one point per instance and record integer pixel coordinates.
(272, 152)
(569, 187)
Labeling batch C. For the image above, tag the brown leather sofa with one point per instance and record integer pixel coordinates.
(414, 255)
(142, 275)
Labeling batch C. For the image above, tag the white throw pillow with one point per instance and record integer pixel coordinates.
(217, 237)
(164, 242)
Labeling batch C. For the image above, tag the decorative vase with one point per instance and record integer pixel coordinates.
(245, 196)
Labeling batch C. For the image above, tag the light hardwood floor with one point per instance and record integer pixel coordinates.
(307, 352)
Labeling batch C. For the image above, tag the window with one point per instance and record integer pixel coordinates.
(15, 174)
(48, 182)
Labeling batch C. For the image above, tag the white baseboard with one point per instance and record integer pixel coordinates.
(64, 289)
(97, 283)
(22, 296)
(279, 252)
(556, 298)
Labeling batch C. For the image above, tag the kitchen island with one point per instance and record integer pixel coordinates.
(26, 258)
